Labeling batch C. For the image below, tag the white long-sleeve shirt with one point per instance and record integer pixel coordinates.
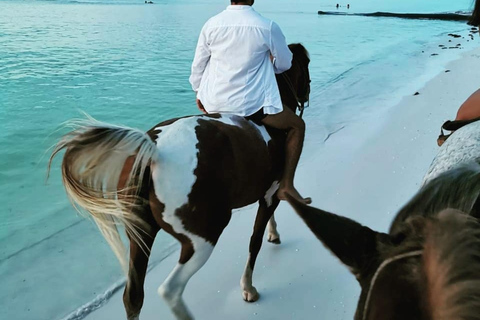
(232, 71)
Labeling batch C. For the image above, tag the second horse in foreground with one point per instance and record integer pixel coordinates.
(427, 267)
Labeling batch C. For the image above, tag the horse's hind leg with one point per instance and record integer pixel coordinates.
(273, 235)
(195, 252)
(139, 254)
(264, 214)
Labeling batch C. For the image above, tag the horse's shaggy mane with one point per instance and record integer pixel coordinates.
(451, 262)
(457, 188)
(450, 239)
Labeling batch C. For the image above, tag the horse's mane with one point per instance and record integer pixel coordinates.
(442, 219)
(451, 264)
(457, 188)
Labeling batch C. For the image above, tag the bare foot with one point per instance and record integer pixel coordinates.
(441, 140)
(281, 194)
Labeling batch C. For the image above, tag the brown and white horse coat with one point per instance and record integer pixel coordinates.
(198, 169)
(212, 168)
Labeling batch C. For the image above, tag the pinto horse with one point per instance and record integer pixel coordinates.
(184, 176)
(428, 265)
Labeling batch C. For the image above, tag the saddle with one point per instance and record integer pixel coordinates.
(452, 126)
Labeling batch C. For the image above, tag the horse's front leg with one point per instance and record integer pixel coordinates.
(264, 214)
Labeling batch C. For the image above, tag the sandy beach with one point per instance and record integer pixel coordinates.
(366, 171)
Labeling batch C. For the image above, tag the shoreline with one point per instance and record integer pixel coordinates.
(431, 59)
(368, 182)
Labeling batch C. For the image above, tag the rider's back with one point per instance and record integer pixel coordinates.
(470, 109)
(238, 77)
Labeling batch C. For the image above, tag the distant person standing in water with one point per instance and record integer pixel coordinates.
(348, 6)
(338, 5)
(233, 72)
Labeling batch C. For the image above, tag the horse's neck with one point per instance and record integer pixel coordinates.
(287, 95)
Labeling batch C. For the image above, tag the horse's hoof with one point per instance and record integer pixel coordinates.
(251, 296)
(275, 239)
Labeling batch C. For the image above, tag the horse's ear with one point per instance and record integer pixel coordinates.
(355, 245)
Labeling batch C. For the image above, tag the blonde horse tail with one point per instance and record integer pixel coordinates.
(95, 155)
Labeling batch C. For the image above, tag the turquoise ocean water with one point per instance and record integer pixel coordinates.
(128, 63)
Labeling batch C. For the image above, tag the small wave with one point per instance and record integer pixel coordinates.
(40, 241)
(331, 132)
(103, 298)
(99, 301)
(449, 16)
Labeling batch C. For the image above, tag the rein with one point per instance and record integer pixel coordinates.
(300, 105)
(380, 268)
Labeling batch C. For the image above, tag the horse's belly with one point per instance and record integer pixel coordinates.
(249, 192)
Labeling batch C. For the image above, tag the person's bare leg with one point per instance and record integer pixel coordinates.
(470, 109)
(288, 120)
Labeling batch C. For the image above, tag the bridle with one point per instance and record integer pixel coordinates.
(377, 273)
(304, 102)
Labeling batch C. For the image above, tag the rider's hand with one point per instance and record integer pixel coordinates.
(200, 106)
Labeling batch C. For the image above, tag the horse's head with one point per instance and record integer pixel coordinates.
(294, 84)
(428, 269)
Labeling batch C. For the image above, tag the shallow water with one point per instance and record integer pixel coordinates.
(128, 63)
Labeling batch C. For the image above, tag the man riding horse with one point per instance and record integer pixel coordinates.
(186, 175)
(232, 73)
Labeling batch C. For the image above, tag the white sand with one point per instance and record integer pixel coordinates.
(366, 171)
